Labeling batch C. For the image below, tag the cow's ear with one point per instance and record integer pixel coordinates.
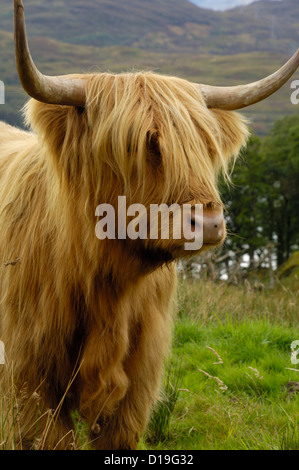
(153, 150)
(233, 131)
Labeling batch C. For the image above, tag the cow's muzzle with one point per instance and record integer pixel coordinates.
(213, 225)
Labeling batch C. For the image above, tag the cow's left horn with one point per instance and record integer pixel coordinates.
(64, 89)
(237, 97)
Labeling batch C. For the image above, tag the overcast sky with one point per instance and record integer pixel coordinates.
(220, 4)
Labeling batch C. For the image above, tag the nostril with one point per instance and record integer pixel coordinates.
(213, 227)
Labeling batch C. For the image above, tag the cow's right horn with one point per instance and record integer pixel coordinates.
(63, 89)
(237, 97)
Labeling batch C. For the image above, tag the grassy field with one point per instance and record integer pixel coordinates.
(230, 383)
(231, 364)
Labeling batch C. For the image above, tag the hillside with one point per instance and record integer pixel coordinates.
(169, 36)
(164, 24)
(133, 23)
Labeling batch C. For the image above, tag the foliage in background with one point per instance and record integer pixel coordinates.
(263, 202)
(290, 267)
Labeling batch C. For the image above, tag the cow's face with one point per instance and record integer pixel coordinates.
(179, 150)
(151, 140)
(181, 224)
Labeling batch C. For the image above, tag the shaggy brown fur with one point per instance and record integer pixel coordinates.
(97, 314)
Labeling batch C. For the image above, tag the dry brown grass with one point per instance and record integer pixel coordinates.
(208, 300)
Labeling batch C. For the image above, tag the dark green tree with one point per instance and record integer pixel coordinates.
(281, 178)
(244, 201)
(263, 202)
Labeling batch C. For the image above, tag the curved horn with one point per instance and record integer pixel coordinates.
(63, 90)
(237, 97)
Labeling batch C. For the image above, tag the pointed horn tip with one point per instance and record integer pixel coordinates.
(62, 90)
(295, 56)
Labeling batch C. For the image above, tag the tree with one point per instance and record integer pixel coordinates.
(281, 178)
(244, 202)
(263, 202)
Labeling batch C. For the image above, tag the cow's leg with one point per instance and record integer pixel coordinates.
(123, 359)
(143, 367)
(102, 381)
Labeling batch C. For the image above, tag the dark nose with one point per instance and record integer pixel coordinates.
(213, 225)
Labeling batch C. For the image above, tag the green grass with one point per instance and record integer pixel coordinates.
(236, 362)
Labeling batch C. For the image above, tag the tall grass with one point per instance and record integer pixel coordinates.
(13, 409)
(206, 301)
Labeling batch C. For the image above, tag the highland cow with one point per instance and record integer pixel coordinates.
(87, 323)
